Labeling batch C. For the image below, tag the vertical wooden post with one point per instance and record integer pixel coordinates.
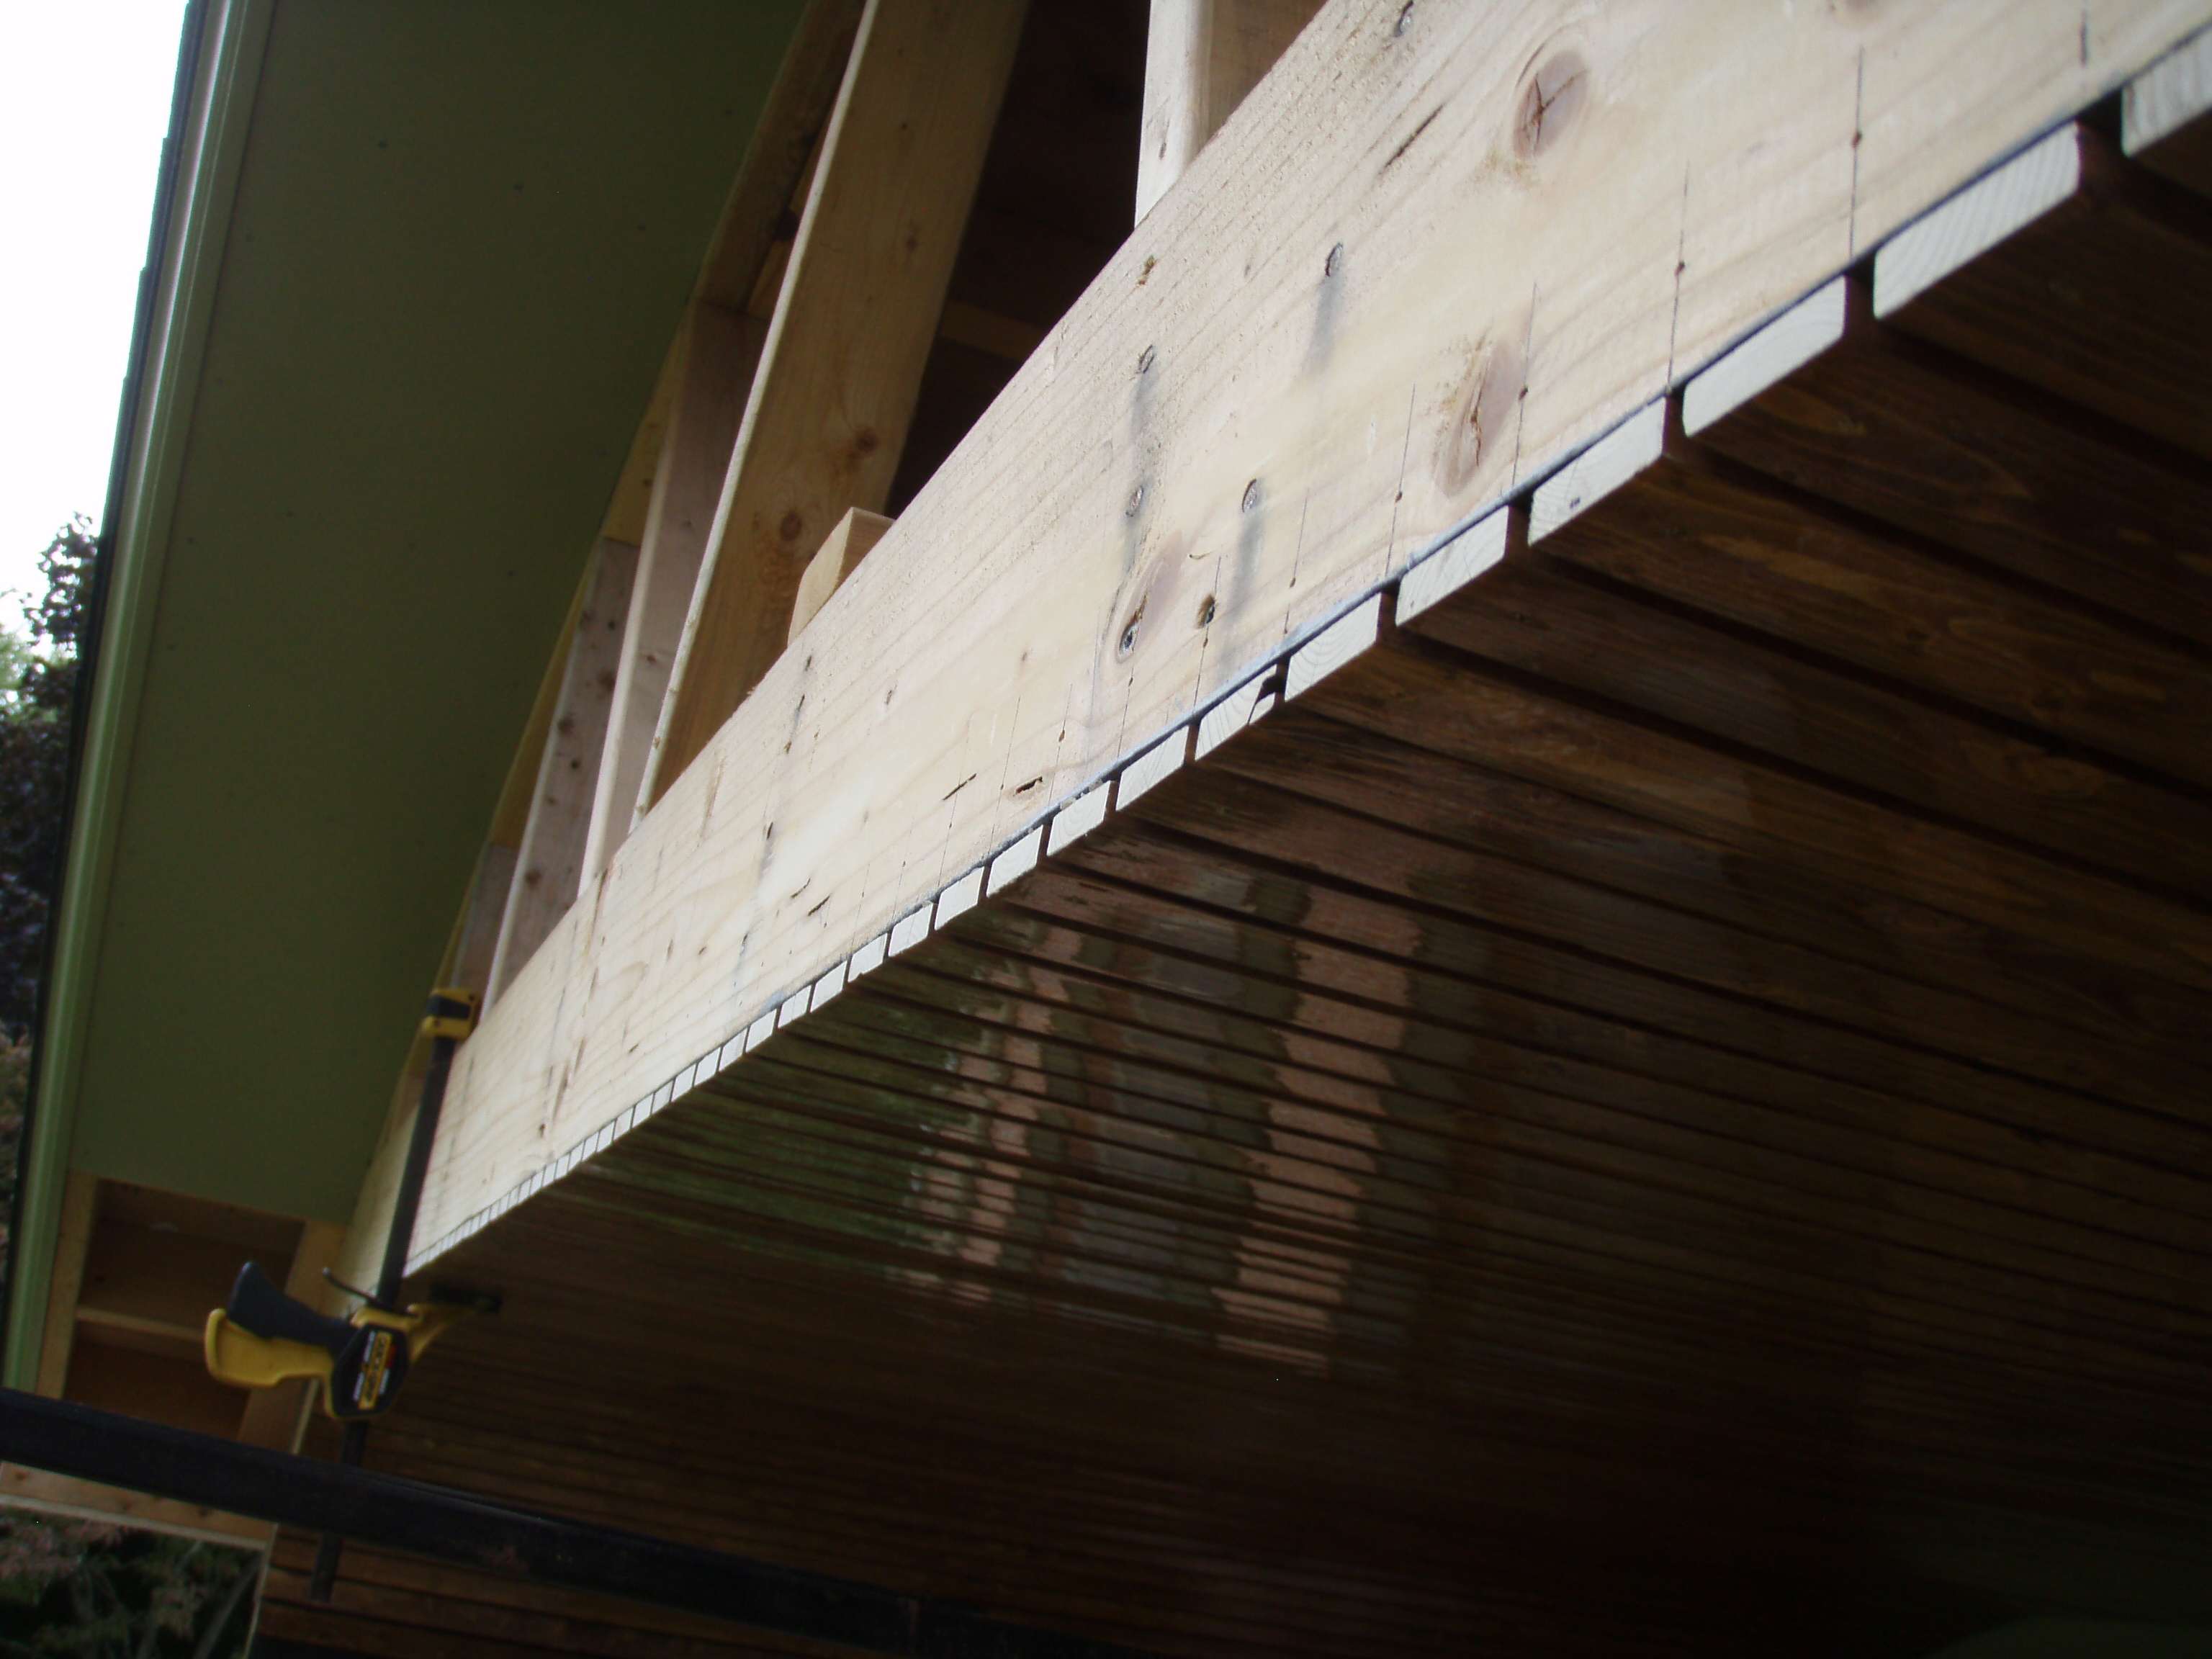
(1201, 57)
(549, 864)
(80, 1207)
(480, 924)
(853, 324)
(721, 349)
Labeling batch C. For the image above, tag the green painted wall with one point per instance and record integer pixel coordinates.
(462, 237)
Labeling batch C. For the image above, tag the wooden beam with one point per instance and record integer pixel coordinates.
(2077, 226)
(40, 1490)
(720, 348)
(829, 409)
(549, 862)
(838, 556)
(1201, 57)
(2165, 115)
(80, 1208)
(712, 365)
(790, 128)
(1422, 268)
(480, 922)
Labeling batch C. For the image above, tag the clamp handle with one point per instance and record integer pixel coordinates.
(451, 1012)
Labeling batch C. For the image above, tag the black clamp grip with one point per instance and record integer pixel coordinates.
(451, 1012)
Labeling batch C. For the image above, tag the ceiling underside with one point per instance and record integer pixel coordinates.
(462, 237)
(1662, 1108)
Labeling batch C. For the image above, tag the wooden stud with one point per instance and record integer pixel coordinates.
(1777, 350)
(549, 862)
(721, 349)
(851, 333)
(80, 1210)
(785, 141)
(1202, 58)
(1334, 646)
(480, 920)
(839, 555)
(1468, 555)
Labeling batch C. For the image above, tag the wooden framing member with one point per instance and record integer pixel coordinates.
(1202, 58)
(80, 1207)
(47, 1493)
(2161, 117)
(1441, 252)
(720, 348)
(838, 557)
(549, 862)
(712, 363)
(828, 413)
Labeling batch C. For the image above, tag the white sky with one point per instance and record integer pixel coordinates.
(84, 102)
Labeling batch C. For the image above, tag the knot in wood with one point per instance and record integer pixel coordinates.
(1549, 102)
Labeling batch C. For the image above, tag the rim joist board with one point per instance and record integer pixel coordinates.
(1436, 253)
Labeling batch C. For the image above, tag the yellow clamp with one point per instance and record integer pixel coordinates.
(247, 1360)
(452, 1013)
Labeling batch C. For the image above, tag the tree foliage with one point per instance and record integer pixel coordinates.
(98, 1591)
(34, 746)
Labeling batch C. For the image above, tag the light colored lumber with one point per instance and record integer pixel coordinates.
(1334, 646)
(48, 1494)
(1467, 557)
(1599, 470)
(839, 555)
(790, 128)
(1224, 417)
(80, 1209)
(1202, 58)
(720, 348)
(471, 968)
(701, 396)
(1226, 718)
(1002, 336)
(1149, 770)
(829, 411)
(1977, 219)
(1783, 347)
(2163, 114)
(2067, 225)
(549, 862)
